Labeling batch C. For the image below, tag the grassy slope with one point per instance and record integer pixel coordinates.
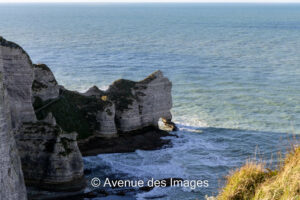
(254, 182)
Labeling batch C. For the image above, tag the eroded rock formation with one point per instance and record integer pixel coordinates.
(141, 104)
(53, 153)
(125, 107)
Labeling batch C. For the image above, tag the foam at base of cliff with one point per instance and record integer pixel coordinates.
(201, 153)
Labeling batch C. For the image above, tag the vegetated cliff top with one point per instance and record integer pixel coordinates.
(255, 182)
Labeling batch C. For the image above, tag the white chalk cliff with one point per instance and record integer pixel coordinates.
(143, 103)
(12, 185)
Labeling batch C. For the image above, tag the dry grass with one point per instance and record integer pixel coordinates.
(254, 181)
(242, 183)
(286, 185)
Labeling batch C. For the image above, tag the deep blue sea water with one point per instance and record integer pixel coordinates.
(235, 70)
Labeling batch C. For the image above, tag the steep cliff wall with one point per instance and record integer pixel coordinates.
(12, 185)
(18, 78)
(55, 155)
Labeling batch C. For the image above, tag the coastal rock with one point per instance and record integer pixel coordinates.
(12, 185)
(141, 104)
(54, 154)
(18, 77)
(44, 85)
(125, 107)
(167, 125)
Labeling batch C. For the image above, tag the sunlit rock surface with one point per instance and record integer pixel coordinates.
(141, 104)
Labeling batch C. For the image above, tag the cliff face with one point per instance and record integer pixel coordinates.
(11, 176)
(55, 155)
(141, 104)
(18, 78)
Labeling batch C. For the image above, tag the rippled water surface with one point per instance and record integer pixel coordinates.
(235, 71)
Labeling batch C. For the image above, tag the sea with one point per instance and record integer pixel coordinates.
(235, 70)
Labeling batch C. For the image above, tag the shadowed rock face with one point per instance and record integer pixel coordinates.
(54, 155)
(12, 185)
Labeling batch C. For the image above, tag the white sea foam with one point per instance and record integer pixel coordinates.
(192, 121)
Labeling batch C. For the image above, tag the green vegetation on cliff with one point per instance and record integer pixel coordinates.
(120, 92)
(72, 111)
(255, 182)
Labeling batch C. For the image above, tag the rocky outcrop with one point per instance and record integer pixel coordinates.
(125, 107)
(53, 153)
(141, 104)
(57, 169)
(11, 176)
(44, 85)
